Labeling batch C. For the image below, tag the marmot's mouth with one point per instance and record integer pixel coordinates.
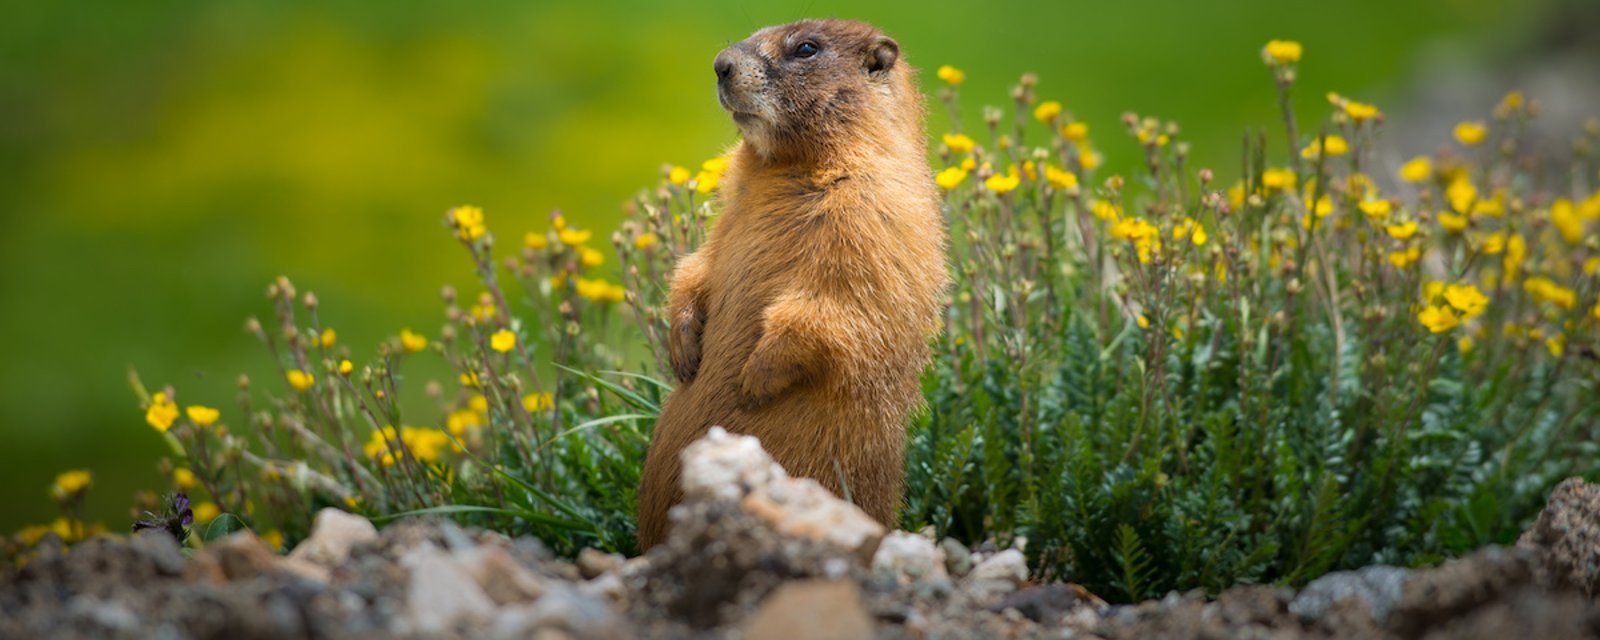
(740, 117)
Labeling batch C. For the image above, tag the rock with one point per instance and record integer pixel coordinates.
(561, 609)
(1053, 604)
(726, 467)
(957, 559)
(998, 574)
(1377, 587)
(1455, 588)
(333, 533)
(811, 609)
(499, 575)
(608, 587)
(1566, 537)
(593, 562)
(238, 556)
(908, 557)
(441, 592)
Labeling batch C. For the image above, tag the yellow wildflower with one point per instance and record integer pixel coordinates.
(1556, 344)
(717, 165)
(1333, 145)
(968, 164)
(1452, 222)
(1516, 250)
(71, 483)
(1088, 158)
(202, 415)
(503, 340)
(1564, 217)
(479, 403)
(1595, 311)
(950, 177)
(206, 512)
(161, 413)
(1281, 52)
(458, 422)
(678, 176)
(1190, 229)
(412, 342)
(1402, 231)
(951, 75)
(1143, 322)
(468, 221)
(327, 338)
(1360, 111)
(1047, 111)
(1464, 344)
(1461, 194)
(345, 367)
(1145, 236)
(1075, 131)
(1546, 290)
(1277, 179)
(536, 240)
(1105, 210)
(273, 539)
(1376, 209)
(1324, 206)
(1416, 169)
(300, 380)
(1060, 178)
(1403, 259)
(590, 257)
(1470, 133)
(574, 237)
(959, 143)
(183, 478)
(1438, 319)
(1591, 266)
(1003, 184)
(645, 241)
(1466, 298)
(468, 379)
(706, 181)
(536, 402)
(1493, 243)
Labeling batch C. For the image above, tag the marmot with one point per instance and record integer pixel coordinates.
(805, 318)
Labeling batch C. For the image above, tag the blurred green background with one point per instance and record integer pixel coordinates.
(161, 161)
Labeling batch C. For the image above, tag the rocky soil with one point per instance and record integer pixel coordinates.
(756, 554)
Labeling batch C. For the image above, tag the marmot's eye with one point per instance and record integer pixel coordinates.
(806, 50)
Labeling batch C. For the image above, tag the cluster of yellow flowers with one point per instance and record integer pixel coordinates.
(965, 157)
(573, 239)
(704, 181)
(424, 444)
(162, 413)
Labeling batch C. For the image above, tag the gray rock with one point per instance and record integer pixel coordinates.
(333, 534)
(564, 609)
(907, 557)
(1566, 537)
(1005, 566)
(593, 562)
(811, 609)
(441, 592)
(1378, 587)
(957, 559)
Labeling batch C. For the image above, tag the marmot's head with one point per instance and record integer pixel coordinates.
(799, 89)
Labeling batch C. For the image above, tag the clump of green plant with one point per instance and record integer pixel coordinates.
(1168, 381)
(1163, 381)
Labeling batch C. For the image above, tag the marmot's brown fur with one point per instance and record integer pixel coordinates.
(804, 320)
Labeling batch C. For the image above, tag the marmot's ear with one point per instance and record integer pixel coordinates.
(881, 54)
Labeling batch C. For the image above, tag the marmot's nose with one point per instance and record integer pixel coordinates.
(724, 66)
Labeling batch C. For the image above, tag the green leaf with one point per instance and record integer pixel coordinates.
(223, 525)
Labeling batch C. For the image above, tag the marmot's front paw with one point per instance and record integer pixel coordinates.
(683, 346)
(764, 378)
